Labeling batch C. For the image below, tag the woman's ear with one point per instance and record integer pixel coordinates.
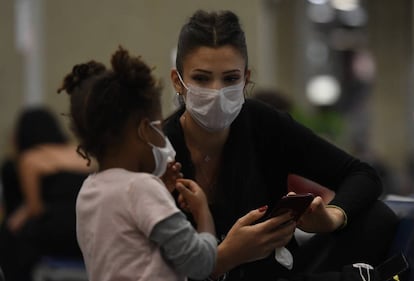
(178, 86)
(247, 77)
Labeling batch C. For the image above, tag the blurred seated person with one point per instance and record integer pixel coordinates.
(40, 185)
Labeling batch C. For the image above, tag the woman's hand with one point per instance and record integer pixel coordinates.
(320, 218)
(247, 241)
(171, 175)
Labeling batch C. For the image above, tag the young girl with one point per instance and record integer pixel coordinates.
(128, 225)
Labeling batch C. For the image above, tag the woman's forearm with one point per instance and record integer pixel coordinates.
(223, 262)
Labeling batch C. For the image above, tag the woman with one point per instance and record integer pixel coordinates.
(241, 152)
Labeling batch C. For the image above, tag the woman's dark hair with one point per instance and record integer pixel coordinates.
(37, 126)
(103, 100)
(214, 29)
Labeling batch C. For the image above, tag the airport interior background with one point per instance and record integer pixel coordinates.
(345, 65)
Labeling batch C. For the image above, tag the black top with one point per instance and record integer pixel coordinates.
(54, 231)
(58, 223)
(11, 194)
(263, 147)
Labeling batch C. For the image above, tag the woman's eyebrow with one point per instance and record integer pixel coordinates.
(232, 71)
(224, 72)
(203, 71)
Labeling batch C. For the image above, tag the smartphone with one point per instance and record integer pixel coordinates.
(297, 204)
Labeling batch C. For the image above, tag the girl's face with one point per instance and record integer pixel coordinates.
(212, 68)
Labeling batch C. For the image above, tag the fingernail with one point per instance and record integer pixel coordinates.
(263, 208)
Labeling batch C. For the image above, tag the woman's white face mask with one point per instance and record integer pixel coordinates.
(213, 109)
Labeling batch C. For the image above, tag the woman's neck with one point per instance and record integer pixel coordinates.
(208, 144)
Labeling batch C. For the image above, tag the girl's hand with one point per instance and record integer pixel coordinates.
(171, 175)
(320, 218)
(193, 199)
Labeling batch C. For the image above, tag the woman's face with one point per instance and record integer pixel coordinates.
(212, 68)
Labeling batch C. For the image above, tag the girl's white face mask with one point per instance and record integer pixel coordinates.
(213, 109)
(162, 155)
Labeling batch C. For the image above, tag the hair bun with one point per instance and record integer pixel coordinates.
(131, 70)
(80, 73)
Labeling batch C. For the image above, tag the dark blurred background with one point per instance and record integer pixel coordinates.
(346, 66)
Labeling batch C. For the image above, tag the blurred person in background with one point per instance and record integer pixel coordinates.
(40, 185)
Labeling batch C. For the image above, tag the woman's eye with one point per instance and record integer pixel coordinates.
(231, 79)
(200, 78)
(205, 80)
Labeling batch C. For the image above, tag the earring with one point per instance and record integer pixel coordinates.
(179, 99)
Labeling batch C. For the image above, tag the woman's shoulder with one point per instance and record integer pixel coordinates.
(264, 114)
(45, 151)
(264, 123)
(32, 158)
(50, 158)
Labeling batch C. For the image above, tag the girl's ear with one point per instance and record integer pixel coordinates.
(143, 129)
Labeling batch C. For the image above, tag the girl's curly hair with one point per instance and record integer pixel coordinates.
(102, 100)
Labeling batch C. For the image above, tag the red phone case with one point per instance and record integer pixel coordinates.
(295, 203)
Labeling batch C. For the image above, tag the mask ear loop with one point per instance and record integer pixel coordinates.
(179, 98)
(151, 123)
(157, 122)
(181, 80)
